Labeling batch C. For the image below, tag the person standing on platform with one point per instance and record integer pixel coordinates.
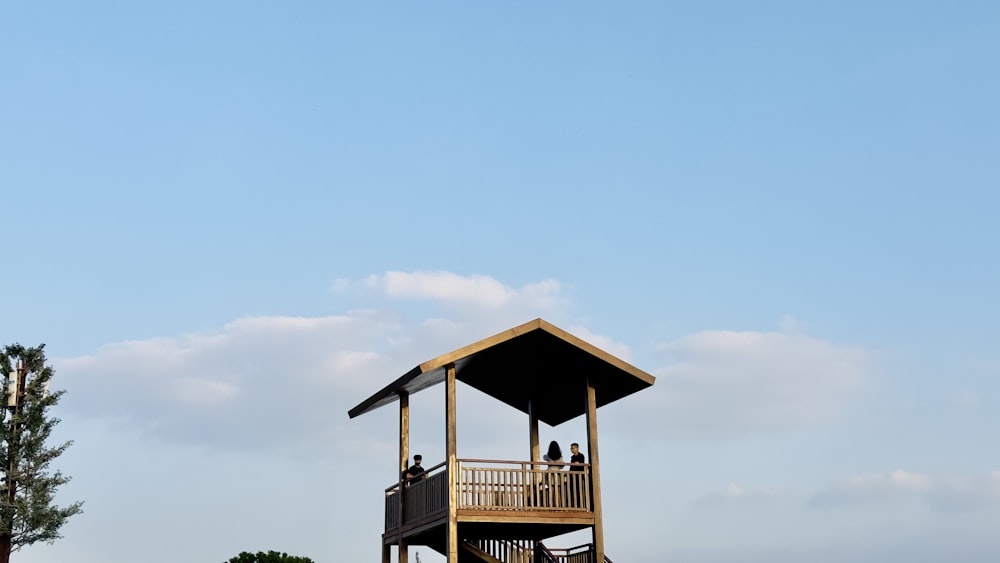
(553, 481)
(576, 457)
(577, 486)
(416, 472)
(554, 455)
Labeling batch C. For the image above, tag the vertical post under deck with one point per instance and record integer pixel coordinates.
(453, 478)
(404, 431)
(595, 471)
(404, 456)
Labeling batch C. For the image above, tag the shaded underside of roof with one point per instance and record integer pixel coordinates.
(535, 363)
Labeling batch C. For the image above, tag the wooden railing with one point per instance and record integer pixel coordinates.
(508, 551)
(483, 484)
(522, 485)
(544, 555)
(426, 496)
(409, 501)
(392, 508)
(579, 554)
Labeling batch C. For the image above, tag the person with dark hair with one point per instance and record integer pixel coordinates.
(554, 456)
(576, 489)
(553, 481)
(415, 472)
(577, 457)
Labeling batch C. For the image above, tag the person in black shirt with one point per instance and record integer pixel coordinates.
(576, 490)
(577, 457)
(415, 472)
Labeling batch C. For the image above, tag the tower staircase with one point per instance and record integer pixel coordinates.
(520, 551)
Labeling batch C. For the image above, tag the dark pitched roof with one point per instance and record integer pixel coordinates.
(537, 362)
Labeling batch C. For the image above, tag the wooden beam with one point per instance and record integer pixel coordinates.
(527, 517)
(404, 431)
(404, 456)
(595, 470)
(450, 449)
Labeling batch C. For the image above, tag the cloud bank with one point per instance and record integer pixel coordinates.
(725, 383)
(278, 381)
(947, 493)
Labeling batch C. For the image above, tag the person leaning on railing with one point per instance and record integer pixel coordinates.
(554, 456)
(556, 463)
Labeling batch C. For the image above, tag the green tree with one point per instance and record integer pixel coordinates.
(27, 511)
(269, 557)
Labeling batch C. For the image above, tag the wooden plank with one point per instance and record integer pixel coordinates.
(526, 517)
(452, 457)
(595, 471)
(404, 431)
(404, 454)
(435, 520)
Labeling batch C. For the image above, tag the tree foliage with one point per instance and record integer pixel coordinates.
(28, 513)
(269, 557)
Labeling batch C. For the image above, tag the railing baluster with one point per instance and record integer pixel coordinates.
(489, 489)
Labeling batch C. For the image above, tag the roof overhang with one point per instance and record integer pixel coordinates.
(535, 363)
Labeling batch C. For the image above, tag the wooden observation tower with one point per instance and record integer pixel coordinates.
(501, 511)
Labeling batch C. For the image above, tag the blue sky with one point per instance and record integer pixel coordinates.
(232, 222)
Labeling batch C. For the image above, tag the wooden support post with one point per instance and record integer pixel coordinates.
(404, 456)
(386, 553)
(404, 431)
(453, 477)
(595, 471)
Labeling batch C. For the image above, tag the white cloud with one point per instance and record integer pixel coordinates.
(443, 286)
(898, 480)
(259, 381)
(726, 382)
(476, 291)
(276, 380)
(279, 381)
(939, 492)
(790, 324)
(734, 493)
(616, 349)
